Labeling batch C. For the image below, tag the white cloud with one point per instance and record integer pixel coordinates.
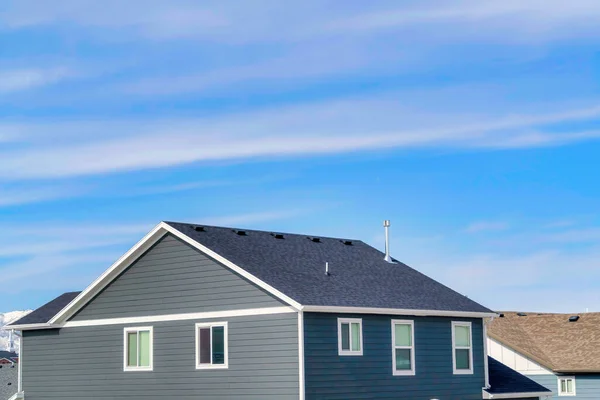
(295, 131)
(487, 226)
(17, 80)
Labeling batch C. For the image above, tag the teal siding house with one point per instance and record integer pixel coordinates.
(197, 312)
(559, 351)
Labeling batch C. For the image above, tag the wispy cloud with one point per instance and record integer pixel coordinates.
(17, 80)
(333, 128)
(487, 226)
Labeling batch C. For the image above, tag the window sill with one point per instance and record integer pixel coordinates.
(202, 367)
(404, 373)
(138, 369)
(463, 372)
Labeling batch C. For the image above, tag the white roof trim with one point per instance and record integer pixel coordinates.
(25, 327)
(136, 251)
(397, 311)
(487, 395)
(17, 396)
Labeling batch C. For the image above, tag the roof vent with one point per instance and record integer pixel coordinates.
(501, 315)
(520, 314)
(347, 242)
(315, 239)
(240, 232)
(388, 257)
(200, 229)
(278, 235)
(574, 318)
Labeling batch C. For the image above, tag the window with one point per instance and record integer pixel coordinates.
(350, 341)
(138, 349)
(403, 344)
(566, 386)
(462, 348)
(211, 345)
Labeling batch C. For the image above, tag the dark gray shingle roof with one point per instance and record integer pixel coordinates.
(506, 380)
(47, 311)
(359, 277)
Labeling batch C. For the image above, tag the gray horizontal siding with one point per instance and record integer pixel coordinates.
(87, 363)
(587, 386)
(329, 376)
(173, 277)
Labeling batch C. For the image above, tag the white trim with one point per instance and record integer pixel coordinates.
(20, 366)
(485, 354)
(301, 353)
(136, 251)
(350, 321)
(138, 329)
(566, 378)
(181, 317)
(413, 361)
(17, 396)
(454, 348)
(521, 395)
(396, 311)
(26, 327)
(211, 325)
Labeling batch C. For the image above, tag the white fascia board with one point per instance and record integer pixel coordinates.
(181, 317)
(487, 395)
(397, 311)
(28, 327)
(136, 251)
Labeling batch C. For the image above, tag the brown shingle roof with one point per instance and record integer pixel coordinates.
(551, 340)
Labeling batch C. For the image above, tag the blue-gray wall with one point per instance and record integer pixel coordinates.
(329, 376)
(587, 386)
(172, 278)
(87, 363)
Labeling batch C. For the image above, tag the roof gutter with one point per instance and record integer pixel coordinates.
(29, 327)
(521, 395)
(398, 311)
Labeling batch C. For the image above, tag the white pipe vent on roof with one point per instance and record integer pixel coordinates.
(386, 225)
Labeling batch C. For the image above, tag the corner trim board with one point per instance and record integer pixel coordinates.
(301, 354)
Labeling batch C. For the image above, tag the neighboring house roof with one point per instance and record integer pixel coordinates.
(552, 340)
(292, 267)
(505, 380)
(47, 311)
(8, 381)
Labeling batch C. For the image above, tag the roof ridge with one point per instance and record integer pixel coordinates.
(262, 231)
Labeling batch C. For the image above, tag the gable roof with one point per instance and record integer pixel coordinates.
(45, 313)
(360, 277)
(291, 268)
(505, 380)
(551, 340)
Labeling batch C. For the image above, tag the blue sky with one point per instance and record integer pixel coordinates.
(472, 125)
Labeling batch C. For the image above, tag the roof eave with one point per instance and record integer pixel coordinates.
(397, 311)
(30, 327)
(516, 395)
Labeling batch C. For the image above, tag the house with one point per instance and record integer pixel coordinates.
(203, 312)
(559, 351)
(8, 357)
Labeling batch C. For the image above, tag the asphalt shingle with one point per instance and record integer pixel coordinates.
(506, 380)
(47, 311)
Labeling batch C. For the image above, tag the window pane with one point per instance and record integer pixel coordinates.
(403, 360)
(218, 345)
(403, 335)
(345, 336)
(204, 346)
(463, 359)
(144, 349)
(355, 337)
(462, 336)
(132, 349)
(569, 386)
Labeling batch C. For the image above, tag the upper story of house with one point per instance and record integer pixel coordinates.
(254, 305)
(560, 351)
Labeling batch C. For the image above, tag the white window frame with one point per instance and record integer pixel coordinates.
(225, 347)
(137, 330)
(413, 370)
(350, 321)
(566, 378)
(454, 348)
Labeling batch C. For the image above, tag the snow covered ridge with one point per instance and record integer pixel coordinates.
(6, 319)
